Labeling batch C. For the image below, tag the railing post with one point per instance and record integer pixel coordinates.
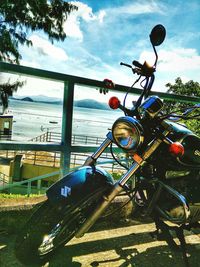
(29, 189)
(66, 135)
(38, 186)
(35, 156)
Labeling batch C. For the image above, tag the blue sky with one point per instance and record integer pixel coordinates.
(103, 33)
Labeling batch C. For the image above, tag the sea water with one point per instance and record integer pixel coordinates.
(31, 119)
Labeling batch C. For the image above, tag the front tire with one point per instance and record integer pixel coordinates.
(51, 227)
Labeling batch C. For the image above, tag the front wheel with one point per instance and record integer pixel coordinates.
(51, 227)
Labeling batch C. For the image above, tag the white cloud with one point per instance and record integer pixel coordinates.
(179, 60)
(99, 40)
(36, 86)
(147, 56)
(72, 25)
(45, 48)
(137, 8)
(32, 64)
(101, 15)
(173, 63)
(84, 11)
(175, 60)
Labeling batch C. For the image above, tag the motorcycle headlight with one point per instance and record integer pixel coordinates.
(128, 133)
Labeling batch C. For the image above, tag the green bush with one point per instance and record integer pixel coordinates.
(13, 196)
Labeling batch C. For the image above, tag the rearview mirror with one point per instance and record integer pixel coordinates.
(157, 35)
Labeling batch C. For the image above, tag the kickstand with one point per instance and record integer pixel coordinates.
(181, 237)
(163, 233)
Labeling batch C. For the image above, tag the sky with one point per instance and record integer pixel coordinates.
(103, 33)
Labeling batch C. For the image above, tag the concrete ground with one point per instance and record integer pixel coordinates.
(114, 242)
(127, 244)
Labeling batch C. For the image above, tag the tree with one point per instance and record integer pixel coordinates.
(18, 18)
(7, 90)
(189, 88)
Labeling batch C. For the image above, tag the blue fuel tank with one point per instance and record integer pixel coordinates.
(79, 184)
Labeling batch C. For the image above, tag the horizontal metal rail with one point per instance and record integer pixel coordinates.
(55, 137)
(65, 145)
(5, 135)
(28, 182)
(4, 179)
(44, 74)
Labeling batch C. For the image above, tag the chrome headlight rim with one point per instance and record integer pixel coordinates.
(132, 124)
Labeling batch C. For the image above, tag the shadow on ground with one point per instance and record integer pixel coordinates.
(136, 250)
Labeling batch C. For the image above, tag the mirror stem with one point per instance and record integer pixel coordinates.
(154, 49)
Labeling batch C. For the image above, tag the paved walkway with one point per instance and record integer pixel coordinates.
(127, 246)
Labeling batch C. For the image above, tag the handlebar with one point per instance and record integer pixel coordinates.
(125, 64)
(134, 70)
(137, 64)
(141, 69)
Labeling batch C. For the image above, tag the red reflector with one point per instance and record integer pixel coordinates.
(176, 149)
(109, 84)
(114, 102)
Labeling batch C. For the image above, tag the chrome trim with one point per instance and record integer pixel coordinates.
(180, 197)
(102, 147)
(176, 174)
(133, 124)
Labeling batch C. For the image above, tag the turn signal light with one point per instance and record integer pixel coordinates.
(176, 149)
(114, 102)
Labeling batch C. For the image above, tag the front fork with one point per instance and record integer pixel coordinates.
(118, 186)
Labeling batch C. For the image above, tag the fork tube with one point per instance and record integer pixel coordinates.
(104, 203)
(128, 174)
(92, 159)
(117, 187)
(101, 149)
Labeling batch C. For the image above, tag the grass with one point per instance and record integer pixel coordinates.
(17, 196)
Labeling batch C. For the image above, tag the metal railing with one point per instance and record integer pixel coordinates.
(76, 138)
(4, 179)
(5, 135)
(86, 140)
(65, 146)
(29, 183)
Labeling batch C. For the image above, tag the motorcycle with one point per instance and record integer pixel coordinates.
(163, 165)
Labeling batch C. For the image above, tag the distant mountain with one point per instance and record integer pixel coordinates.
(27, 99)
(39, 99)
(46, 99)
(90, 103)
(85, 103)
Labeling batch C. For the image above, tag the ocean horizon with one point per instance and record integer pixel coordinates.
(31, 119)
